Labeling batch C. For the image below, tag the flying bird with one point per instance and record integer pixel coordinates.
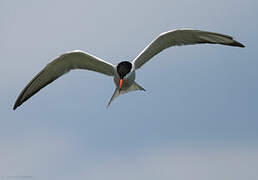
(124, 72)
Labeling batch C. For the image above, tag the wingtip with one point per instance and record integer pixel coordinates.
(238, 44)
(15, 106)
(107, 106)
(241, 45)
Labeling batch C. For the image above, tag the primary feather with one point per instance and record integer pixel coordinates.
(61, 65)
(182, 37)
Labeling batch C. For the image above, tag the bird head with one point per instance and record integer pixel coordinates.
(123, 69)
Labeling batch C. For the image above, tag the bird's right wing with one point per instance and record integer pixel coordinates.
(182, 37)
(61, 65)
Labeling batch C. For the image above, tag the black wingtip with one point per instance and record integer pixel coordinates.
(14, 107)
(17, 104)
(238, 44)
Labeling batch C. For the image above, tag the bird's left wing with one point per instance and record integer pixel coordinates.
(60, 66)
(182, 37)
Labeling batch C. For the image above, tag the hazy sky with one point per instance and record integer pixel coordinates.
(197, 120)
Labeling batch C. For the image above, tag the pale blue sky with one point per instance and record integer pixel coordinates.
(197, 120)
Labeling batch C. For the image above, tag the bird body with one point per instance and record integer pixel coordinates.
(123, 73)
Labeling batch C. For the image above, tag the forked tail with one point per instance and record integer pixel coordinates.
(115, 94)
(133, 87)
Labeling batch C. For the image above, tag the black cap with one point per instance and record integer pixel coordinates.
(123, 68)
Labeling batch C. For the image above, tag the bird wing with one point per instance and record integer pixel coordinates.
(182, 37)
(58, 67)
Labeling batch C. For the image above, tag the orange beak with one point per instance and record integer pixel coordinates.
(121, 83)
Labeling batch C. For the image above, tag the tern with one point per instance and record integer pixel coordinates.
(124, 72)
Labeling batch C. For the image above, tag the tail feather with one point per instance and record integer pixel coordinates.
(117, 92)
(138, 87)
